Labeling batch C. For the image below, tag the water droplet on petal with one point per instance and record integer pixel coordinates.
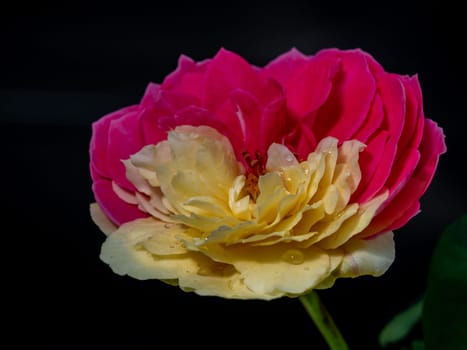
(167, 225)
(293, 256)
(289, 158)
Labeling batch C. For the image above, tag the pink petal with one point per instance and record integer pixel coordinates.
(414, 117)
(185, 66)
(405, 203)
(150, 96)
(275, 124)
(407, 156)
(375, 163)
(195, 116)
(350, 99)
(228, 71)
(117, 210)
(125, 138)
(301, 141)
(248, 111)
(392, 94)
(285, 66)
(309, 87)
(99, 140)
(164, 105)
(373, 122)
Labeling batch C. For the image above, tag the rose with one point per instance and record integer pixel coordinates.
(244, 182)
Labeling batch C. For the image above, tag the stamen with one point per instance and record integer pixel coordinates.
(256, 168)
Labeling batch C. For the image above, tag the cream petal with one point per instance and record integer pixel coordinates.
(355, 224)
(124, 195)
(279, 156)
(368, 256)
(101, 220)
(277, 269)
(134, 176)
(125, 253)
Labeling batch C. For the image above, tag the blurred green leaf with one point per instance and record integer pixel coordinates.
(445, 307)
(399, 327)
(418, 345)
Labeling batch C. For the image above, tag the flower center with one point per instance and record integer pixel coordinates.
(256, 168)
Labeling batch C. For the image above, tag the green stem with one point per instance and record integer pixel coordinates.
(323, 321)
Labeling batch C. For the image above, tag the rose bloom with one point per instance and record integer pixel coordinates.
(256, 183)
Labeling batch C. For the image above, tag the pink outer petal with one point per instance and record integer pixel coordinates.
(309, 87)
(392, 95)
(227, 72)
(117, 210)
(164, 105)
(285, 66)
(406, 203)
(99, 140)
(125, 138)
(187, 78)
(407, 156)
(373, 121)
(150, 96)
(414, 117)
(350, 99)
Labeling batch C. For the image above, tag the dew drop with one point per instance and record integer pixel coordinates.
(293, 256)
(289, 158)
(167, 225)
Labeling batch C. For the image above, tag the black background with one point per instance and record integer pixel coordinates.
(65, 65)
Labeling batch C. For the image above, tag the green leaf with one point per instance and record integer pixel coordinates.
(399, 327)
(445, 309)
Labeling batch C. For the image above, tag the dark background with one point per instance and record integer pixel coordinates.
(65, 65)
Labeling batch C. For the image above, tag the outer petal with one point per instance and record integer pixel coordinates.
(392, 217)
(350, 99)
(99, 141)
(228, 72)
(187, 78)
(125, 139)
(310, 86)
(392, 94)
(285, 66)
